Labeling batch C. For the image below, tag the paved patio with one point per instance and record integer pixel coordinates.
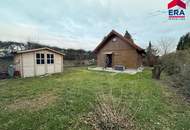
(128, 71)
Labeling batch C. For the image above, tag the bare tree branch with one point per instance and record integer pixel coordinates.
(166, 45)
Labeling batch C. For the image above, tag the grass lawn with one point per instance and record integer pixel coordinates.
(59, 101)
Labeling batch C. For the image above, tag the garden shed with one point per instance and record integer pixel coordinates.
(37, 62)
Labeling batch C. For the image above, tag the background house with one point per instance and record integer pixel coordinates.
(37, 62)
(116, 49)
(2, 53)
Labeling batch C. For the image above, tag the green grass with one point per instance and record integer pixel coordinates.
(76, 90)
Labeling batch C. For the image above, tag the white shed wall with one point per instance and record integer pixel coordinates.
(58, 63)
(26, 64)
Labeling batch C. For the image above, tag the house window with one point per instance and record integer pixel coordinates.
(40, 58)
(114, 39)
(50, 59)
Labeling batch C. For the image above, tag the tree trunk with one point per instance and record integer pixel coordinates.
(156, 72)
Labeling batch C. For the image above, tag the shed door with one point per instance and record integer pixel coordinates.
(40, 64)
(50, 63)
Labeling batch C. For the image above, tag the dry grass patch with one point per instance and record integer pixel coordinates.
(35, 104)
(109, 114)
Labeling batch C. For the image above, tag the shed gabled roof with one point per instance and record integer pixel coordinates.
(39, 49)
(127, 41)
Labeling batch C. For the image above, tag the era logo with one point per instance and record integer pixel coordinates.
(176, 13)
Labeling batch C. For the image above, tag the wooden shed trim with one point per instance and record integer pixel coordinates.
(113, 32)
(40, 49)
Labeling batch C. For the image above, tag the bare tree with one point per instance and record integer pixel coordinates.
(166, 45)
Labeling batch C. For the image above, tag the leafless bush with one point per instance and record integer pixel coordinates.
(177, 68)
(109, 114)
(182, 80)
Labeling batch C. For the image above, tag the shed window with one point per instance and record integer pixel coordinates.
(50, 59)
(40, 58)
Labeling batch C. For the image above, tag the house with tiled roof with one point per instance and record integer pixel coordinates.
(117, 50)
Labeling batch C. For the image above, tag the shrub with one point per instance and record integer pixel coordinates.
(109, 114)
(177, 68)
(182, 81)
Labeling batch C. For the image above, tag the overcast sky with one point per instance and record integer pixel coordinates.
(82, 24)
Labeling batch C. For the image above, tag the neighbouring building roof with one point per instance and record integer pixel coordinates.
(127, 41)
(39, 49)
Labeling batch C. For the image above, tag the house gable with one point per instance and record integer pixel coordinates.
(115, 43)
(113, 34)
(123, 51)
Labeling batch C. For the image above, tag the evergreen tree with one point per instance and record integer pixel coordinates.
(128, 36)
(151, 50)
(151, 55)
(184, 42)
